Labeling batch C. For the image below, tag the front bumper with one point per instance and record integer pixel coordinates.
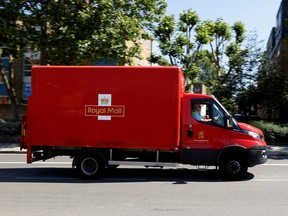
(257, 155)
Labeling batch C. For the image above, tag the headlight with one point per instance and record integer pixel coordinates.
(254, 134)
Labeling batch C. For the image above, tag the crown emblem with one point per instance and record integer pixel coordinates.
(104, 100)
(201, 134)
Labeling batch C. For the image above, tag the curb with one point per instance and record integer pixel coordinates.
(11, 148)
(12, 151)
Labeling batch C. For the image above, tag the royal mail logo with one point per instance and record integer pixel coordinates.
(105, 110)
(114, 111)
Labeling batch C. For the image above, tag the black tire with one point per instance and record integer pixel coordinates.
(233, 168)
(90, 166)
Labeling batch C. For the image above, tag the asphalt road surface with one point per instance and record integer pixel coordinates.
(53, 188)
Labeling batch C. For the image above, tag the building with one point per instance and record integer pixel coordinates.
(277, 49)
(146, 50)
(277, 42)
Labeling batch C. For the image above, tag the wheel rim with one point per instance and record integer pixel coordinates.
(233, 167)
(89, 166)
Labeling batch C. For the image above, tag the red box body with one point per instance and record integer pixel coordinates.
(106, 107)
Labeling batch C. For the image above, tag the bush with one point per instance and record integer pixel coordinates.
(273, 132)
(10, 128)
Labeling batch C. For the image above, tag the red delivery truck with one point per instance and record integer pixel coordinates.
(108, 116)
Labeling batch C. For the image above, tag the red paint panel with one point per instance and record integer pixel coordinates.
(144, 101)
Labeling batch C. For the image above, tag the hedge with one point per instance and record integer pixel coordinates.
(8, 128)
(273, 132)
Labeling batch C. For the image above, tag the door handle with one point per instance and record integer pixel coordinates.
(190, 131)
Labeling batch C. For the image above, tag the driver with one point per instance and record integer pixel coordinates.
(196, 113)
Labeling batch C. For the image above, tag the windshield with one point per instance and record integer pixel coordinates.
(226, 112)
(234, 121)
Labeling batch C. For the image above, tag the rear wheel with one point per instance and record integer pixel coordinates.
(90, 166)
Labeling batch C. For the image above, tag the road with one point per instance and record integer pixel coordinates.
(53, 188)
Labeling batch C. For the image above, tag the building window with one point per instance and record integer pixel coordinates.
(26, 90)
(148, 44)
(279, 18)
(4, 99)
(279, 22)
(28, 63)
(31, 59)
(5, 63)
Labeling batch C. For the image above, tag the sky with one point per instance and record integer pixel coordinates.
(258, 15)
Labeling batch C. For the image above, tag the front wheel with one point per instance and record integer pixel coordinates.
(233, 168)
(90, 166)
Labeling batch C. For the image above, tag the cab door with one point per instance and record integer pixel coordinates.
(202, 139)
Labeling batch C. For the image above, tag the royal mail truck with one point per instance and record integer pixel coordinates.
(103, 117)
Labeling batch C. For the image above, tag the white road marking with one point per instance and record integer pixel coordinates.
(44, 178)
(274, 164)
(270, 180)
(42, 163)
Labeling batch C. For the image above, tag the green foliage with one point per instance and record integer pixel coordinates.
(175, 42)
(248, 96)
(10, 128)
(79, 32)
(229, 104)
(210, 51)
(188, 19)
(248, 100)
(239, 30)
(273, 88)
(273, 132)
(220, 55)
(204, 32)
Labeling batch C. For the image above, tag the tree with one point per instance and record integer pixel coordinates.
(273, 89)
(248, 100)
(176, 43)
(248, 96)
(240, 78)
(12, 46)
(213, 52)
(192, 44)
(77, 32)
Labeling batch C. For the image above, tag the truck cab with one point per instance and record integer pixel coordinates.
(218, 139)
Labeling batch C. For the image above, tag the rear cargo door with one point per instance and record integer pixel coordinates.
(204, 131)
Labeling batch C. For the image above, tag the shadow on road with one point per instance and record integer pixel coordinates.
(119, 175)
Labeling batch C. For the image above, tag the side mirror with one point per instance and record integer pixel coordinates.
(229, 122)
